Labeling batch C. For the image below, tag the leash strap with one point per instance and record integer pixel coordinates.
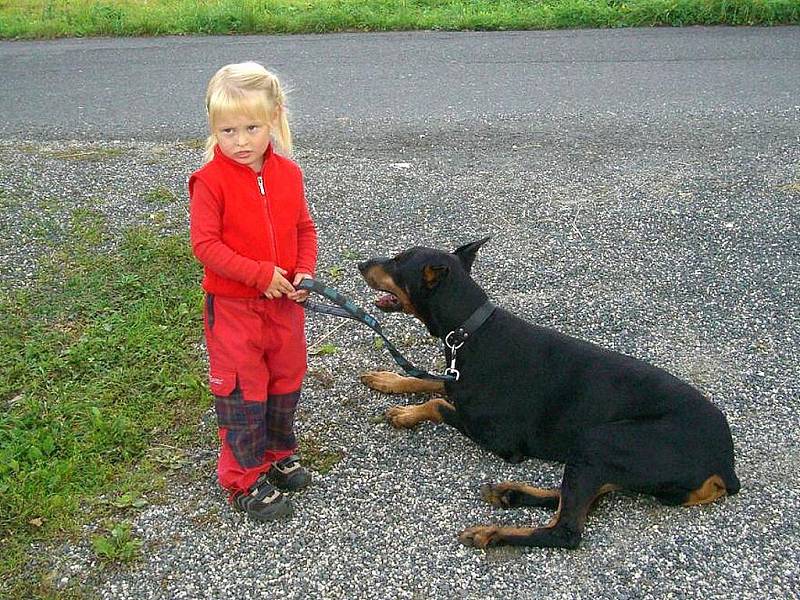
(345, 308)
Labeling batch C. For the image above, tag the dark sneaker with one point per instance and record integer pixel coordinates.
(289, 475)
(263, 502)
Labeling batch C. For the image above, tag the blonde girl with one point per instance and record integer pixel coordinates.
(252, 231)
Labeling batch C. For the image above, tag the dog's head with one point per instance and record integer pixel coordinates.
(413, 277)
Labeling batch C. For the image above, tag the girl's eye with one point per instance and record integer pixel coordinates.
(253, 128)
(227, 131)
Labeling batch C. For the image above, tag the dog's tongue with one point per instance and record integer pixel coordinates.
(386, 301)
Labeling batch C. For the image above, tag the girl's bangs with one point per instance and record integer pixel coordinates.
(238, 102)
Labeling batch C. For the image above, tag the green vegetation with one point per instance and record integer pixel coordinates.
(322, 350)
(89, 153)
(99, 362)
(336, 272)
(102, 387)
(321, 461)
(79, 18)
(161, 195)
(119, 545)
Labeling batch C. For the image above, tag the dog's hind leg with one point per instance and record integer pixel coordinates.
(511, 494)
(579, 489)
(392, 383)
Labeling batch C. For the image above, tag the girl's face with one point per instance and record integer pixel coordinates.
(243, 138)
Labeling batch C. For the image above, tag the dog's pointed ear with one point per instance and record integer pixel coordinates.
(467, 252)
(433, 274)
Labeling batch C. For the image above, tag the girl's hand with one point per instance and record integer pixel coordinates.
(279, 285)
(299, 295)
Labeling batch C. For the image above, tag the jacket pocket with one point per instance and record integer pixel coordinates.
(245, 424)
(222, 383)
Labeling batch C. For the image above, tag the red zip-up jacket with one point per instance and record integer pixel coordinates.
(245, 223)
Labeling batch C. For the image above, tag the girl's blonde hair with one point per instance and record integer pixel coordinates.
(248, 88)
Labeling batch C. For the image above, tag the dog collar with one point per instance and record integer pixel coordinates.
(471, 325)
(456, 338)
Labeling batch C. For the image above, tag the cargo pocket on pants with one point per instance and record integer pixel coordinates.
(244, 420)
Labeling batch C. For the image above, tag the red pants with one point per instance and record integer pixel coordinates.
(257, 356)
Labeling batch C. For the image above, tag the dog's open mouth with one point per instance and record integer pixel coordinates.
(388, 302)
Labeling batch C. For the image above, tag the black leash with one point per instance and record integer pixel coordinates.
(345, 308)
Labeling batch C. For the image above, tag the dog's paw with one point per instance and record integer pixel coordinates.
(501, 495)
(482, 536)
(382, 381)
(402, 417)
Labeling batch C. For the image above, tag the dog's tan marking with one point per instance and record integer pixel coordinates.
(495, 494)
(484, 536)
(556, 515)
(712, 489)
(392, 383)
(379, 279)
(405, 417)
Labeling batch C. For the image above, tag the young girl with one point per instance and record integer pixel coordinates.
(251, 230)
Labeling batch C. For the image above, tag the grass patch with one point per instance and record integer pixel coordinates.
(194, 144)
(79, 18)
(119, 545)
(86, 154)
(322, 461)
(161, 195)
(71, 153)
(98, 360)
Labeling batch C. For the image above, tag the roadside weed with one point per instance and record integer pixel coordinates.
(336, 272)
(118, 546)
(161, 195)
(323, 350)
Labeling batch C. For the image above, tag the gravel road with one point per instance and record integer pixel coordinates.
(673, 240)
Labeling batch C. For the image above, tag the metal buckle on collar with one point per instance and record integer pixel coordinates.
(451, 370)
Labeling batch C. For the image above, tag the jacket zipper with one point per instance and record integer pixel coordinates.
(263, 191)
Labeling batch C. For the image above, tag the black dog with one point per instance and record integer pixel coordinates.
(527, 391)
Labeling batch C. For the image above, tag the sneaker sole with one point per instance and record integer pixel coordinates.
(282, 511)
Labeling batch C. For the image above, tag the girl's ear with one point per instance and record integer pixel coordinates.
(277, 113)
(467, 252)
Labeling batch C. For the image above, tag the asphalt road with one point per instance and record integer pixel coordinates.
(152, 88)
(641, 188)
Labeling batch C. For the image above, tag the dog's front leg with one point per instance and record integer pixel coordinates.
(392, 383)
(435, 410)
